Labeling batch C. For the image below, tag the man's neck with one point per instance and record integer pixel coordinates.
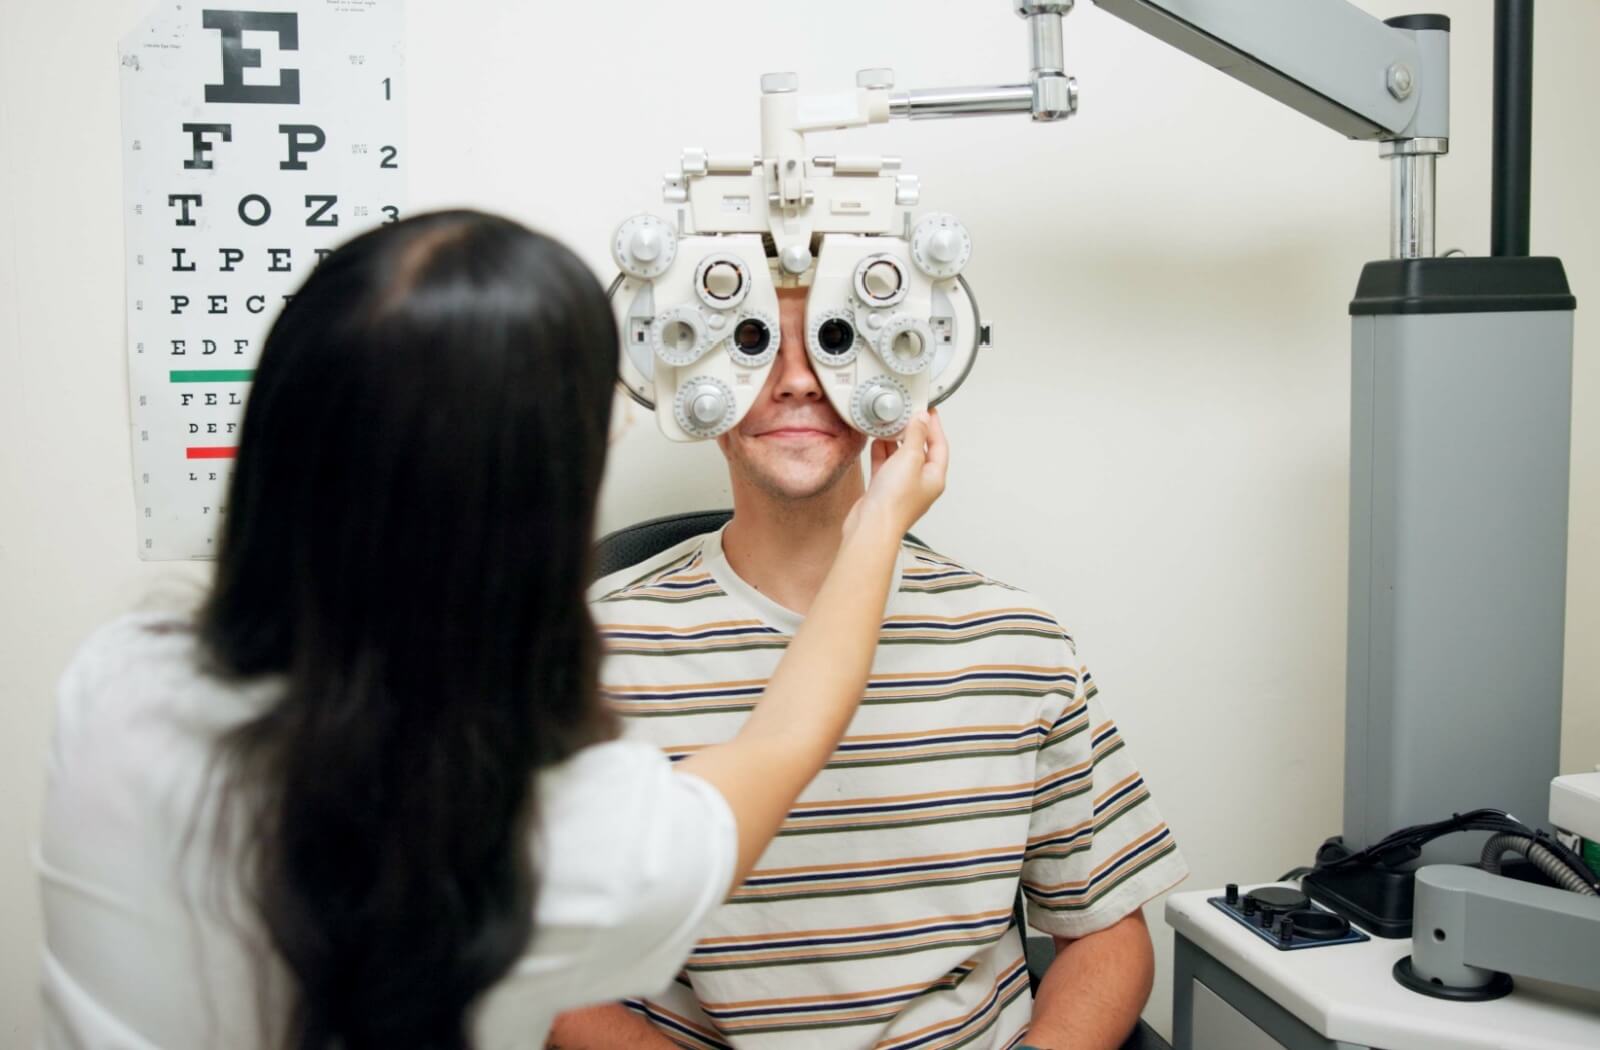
(784, 548)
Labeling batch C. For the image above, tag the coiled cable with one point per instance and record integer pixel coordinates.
(1540, 855)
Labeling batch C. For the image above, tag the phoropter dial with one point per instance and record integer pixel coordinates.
(881, 281)
(722, 281)
(680, 336)
(881, 407)
(704, 407)
(906, 345)
(644, 247)
(940, 245)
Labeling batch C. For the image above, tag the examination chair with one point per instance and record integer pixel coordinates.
(633, 544)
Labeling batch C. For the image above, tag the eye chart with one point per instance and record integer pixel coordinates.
(255, 139)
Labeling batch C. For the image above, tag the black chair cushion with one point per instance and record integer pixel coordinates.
(636, 543)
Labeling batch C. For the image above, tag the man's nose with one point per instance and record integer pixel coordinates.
(795, 379)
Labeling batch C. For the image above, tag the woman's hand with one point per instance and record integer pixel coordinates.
(908, 474)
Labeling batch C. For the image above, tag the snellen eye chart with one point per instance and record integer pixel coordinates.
(255, 139)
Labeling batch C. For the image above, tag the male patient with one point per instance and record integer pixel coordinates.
(882, 913)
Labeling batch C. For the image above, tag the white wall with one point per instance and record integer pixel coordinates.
(1157, 446)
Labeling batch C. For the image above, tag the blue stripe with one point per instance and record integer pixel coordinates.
(1063, 840)
(961, 738)
(1070, 715)
(940, 625)
(662, 1021)
(1063, 779)
(683, 564)
(941, 576)
(681, 586)
(1166, 833)
(720, 632)
(813, 1008)
(1023, 676)
(906, 806)
(719, 694)
(710, 694)
(983, 1012)
(1121, 794)
(904, 869)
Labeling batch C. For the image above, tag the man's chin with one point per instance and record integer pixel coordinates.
(793, 481)
(792, 488)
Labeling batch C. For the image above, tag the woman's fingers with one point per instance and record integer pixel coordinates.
(938, 461)
(914, 438)
(881, 451)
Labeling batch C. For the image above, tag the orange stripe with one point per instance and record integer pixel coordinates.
(806, 1000)
(1078, 884)
(1059, 833)
(923, 796)
(1118, 786)
(780, 954)
(983, 746)
(693, 685)
(711, 1034)
(685, 749)
(671, 645)
(845, 930)
(1018, 687)
(1063, 771)
(712, 625)
(657, 688)
(825, 868)
(1026, 668)
(756, 893)
(870, 737)
(904, 1037)
(1127, 804)
(891, 818)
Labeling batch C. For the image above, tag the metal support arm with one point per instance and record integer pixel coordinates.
(1327, 59)
(1470, 924)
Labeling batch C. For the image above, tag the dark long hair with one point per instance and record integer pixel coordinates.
(407, 544)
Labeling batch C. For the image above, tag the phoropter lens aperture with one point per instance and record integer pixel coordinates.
(835, 335)
(752, 337)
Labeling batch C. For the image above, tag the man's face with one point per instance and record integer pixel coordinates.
(792, 445)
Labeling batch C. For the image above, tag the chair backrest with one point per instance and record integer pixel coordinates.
(633, 544)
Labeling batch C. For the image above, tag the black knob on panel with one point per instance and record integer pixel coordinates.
(1285, 930)
(1232, 893)
(1250, 905)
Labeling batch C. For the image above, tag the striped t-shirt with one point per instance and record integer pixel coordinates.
(881, 915)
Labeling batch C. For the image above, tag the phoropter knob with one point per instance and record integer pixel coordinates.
(644, 247)
(881, 407)
(940, 245)
(708, 407)
(704, 407)
(886, 407)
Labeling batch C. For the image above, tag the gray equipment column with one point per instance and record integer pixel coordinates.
(1460, 448)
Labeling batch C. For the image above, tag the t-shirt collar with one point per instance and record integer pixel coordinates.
(769, 611)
